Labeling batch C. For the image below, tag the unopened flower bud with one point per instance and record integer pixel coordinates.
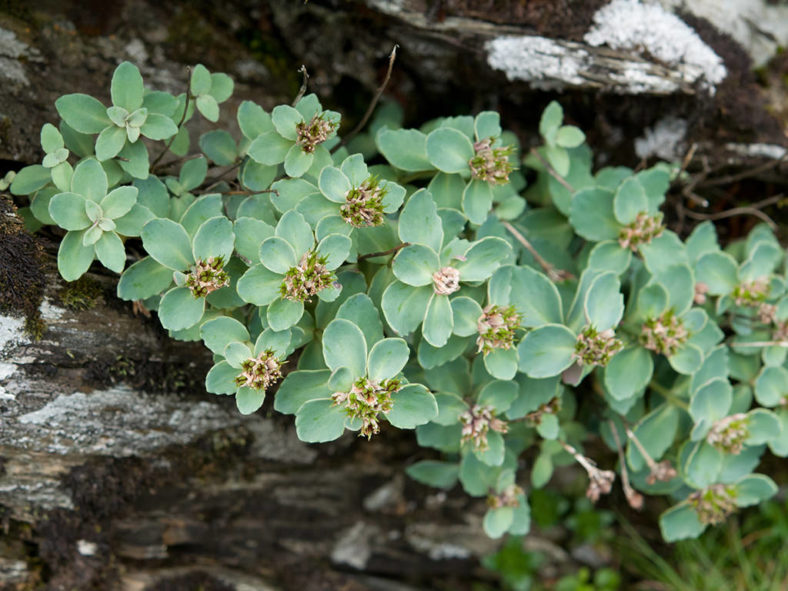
(730, 433)
(260, 372)
(714, 504)
(642, 231)
(496, 327)
(307, 278)
(596, 348)
(207, 276)
(365, 400)
(665, 334)
(491, 164)
(476, 422)
(446, 281)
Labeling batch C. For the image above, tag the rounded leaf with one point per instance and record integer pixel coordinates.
(344, 345)
(387, 358)
(68, 211)
(221, 379)
(320, 420)
(168, 243)
(127, 88)
(73, 257)
(547, 351)
(248, 400)
(449, 150)
(413, 405)
(179, 309)
(415, 264)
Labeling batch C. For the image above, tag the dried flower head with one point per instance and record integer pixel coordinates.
(596, 348)
(312, 134)
(600, 483)
(365, 400)
(665, 334)
(476, 422)
(661, 471)
(729, 434)
(508, 497)
(491, 164)
(307, 278)
(549, 408)
(496, 327)
(260, 372)
(364, 204)
(715, 503)
(751, 293)
(207, 276)
(642, 231)
(446, 281)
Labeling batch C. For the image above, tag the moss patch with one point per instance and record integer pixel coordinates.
(81, 294)
(22, 279)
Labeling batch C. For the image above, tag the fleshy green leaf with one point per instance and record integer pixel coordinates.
(179, 309)
(74, 258)
(547, 351)
(344, 345)
(320, 420)
(83, 113)
(413, 405)
(449, 150)
(168, 243)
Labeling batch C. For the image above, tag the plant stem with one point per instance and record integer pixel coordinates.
(668, 395)
(552, 171)
(552, 273)
(181, 122)
(381, 253)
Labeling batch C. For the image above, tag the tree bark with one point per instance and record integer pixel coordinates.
(117, 470)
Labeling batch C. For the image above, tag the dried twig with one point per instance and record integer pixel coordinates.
(552, 171)
(381, 253)
(302, 90)
(181, 122)
(372, 104)
(552, 273)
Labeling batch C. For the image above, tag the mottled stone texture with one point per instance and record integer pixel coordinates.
(117, 470)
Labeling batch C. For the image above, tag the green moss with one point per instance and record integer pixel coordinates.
(22, 279)
(81, 294)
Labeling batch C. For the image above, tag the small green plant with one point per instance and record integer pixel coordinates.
(412, 280)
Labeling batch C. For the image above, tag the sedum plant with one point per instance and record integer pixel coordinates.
(411, 280)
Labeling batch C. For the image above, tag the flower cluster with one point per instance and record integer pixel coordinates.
(751, 293)
(307, 278)
(365, 400)
(596, 348)
(714, 504)
(446, 281)
(491, 164)
(664, 334)
(207, 276)
(476, 422)
(508, 497)
(260, 372)
(496, 327)
(729, 434)
(315, 132)
(642, 231)
(364, 204)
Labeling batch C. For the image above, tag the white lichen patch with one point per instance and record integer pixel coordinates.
(11, 334)
(541, 61)
(11, 51)
(760, 26)
(118, 422)
(758, 150)
(354, 545)
(659, 34)
(664, 140)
